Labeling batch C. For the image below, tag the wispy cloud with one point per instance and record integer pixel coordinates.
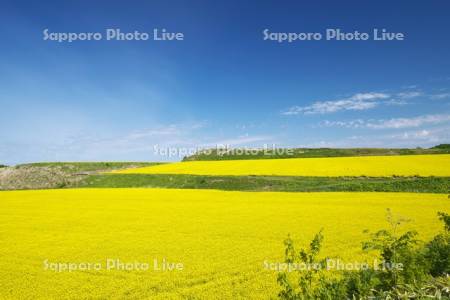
(394, 123)
(396, 102)
(422, 137)
(409, 138)
(164, 131)
(363, 101)
(360, 101)
(409, 94)
(243, 140)
(410, 122)
(440, 96)
(359, 123)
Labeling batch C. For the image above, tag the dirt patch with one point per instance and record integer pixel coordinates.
(56, 175)
(14, 178)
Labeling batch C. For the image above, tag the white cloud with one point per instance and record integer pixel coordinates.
(161, 131)
(422, 137)
(409, 122)
(395, 123)
(360, 101)
(413, 134)
(408, 95)
(159, 143)
(407, 139)
(395, 102)
(244, 140)
(344, 124)
(440, 96)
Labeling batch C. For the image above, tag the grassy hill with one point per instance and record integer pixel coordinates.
(270, 183)
(442, 147)
(91, 174)
(234, 154)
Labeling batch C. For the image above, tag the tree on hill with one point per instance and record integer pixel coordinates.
(441, 146)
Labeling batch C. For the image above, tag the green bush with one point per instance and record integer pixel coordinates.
(437, 251)
(397, 250)
(424, 271)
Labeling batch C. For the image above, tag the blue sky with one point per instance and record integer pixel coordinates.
(223, 84)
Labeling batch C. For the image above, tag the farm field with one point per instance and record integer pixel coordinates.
(371, 166)
(230, 154)
(221, 238)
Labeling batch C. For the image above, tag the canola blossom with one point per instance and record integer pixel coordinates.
(372, 166)
(178, 244)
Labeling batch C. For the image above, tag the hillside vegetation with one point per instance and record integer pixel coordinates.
(95, 174)
(55, 175)
(270, 183)
(234, 154)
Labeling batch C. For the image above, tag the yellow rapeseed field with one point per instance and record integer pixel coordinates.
(221, 238)
(373, 166)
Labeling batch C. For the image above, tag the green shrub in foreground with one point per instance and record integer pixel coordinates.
(424, 271)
